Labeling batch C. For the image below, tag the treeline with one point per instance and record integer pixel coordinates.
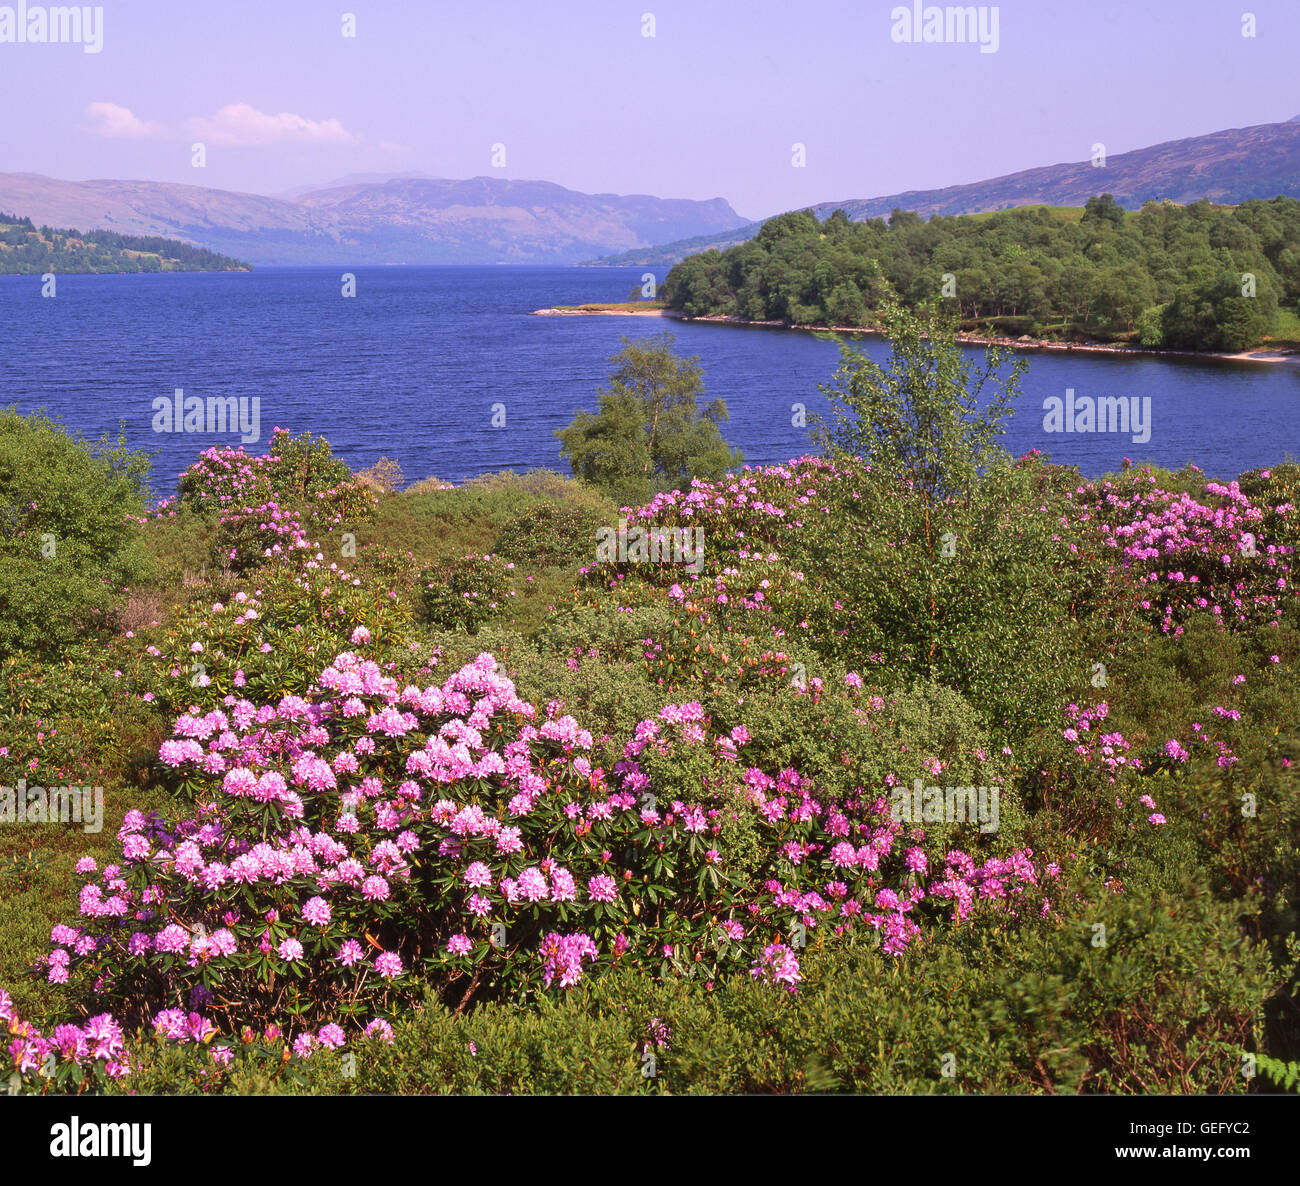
(1197, 277)
(29, 250)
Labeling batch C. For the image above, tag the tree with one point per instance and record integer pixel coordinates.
(1211, 312)
(1071, 291)
(649, 433)
(1103, 209)
(955, 559)
(921, 419)
(1120, 296)
(845, 305)
(1150, 326)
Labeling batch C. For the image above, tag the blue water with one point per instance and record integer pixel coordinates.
(411, 369)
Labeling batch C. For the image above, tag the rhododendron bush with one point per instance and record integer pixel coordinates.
(267, 506)
(851, 566)
(1220, 554)
(350, 845)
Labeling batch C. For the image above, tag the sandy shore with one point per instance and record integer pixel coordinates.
(620, 310)
(1259, 354)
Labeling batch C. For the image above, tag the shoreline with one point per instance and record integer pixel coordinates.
(1264, 354)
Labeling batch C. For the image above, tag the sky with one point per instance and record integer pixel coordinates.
(712, 105)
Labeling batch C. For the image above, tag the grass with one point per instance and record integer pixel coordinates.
(1287, 333)
(1064, 213)
(613, 307)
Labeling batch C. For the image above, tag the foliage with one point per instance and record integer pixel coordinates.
(27, 250)
(1176, 275)
(69, 532)
(466, 592)
(550, 533)
(922, 419)
(385, 475)
(529, 868)
(1285, 1075)
(268, 506)
(649, 433)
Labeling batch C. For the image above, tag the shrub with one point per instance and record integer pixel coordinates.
(269, 506)
(385, 475)
(550, 534)
(465, 593)
(69, 532)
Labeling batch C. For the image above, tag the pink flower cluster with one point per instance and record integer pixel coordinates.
(777, 964)
(562, 956)
(1190, 556)
(99, 1039)
(966, 882)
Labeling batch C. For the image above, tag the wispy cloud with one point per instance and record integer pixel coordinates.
(241, 125)
(115, 122)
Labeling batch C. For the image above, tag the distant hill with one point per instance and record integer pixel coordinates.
(1227, 167)
(672, 253)
(410, 220)
(290, 195)
(27, 250)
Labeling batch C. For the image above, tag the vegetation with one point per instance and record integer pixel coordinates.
(649, 433)
(26, 250)
(381, 820)
(634, 305)
(1198, 277)
(69, 535)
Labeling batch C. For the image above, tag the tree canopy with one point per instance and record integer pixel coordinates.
(1196, 277)
(649, 433)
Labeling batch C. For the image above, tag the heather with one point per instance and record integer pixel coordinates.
(407, 793)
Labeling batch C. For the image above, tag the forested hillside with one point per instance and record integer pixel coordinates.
(26, 250)
(1198, 277)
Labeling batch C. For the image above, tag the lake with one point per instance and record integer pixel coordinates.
(412, 367)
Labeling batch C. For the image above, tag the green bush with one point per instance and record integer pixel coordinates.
(549, 534)
(69, 532)
(464, 593)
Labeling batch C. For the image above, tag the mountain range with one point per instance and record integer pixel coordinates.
(402, 220)
(1227, 167)
(417, 219)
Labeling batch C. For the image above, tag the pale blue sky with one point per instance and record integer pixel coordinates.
(709, 107)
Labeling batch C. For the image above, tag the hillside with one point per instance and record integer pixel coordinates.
(27, 250)
(398, 221)
(1228, 167)
(1167, 276)
(673, 253)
